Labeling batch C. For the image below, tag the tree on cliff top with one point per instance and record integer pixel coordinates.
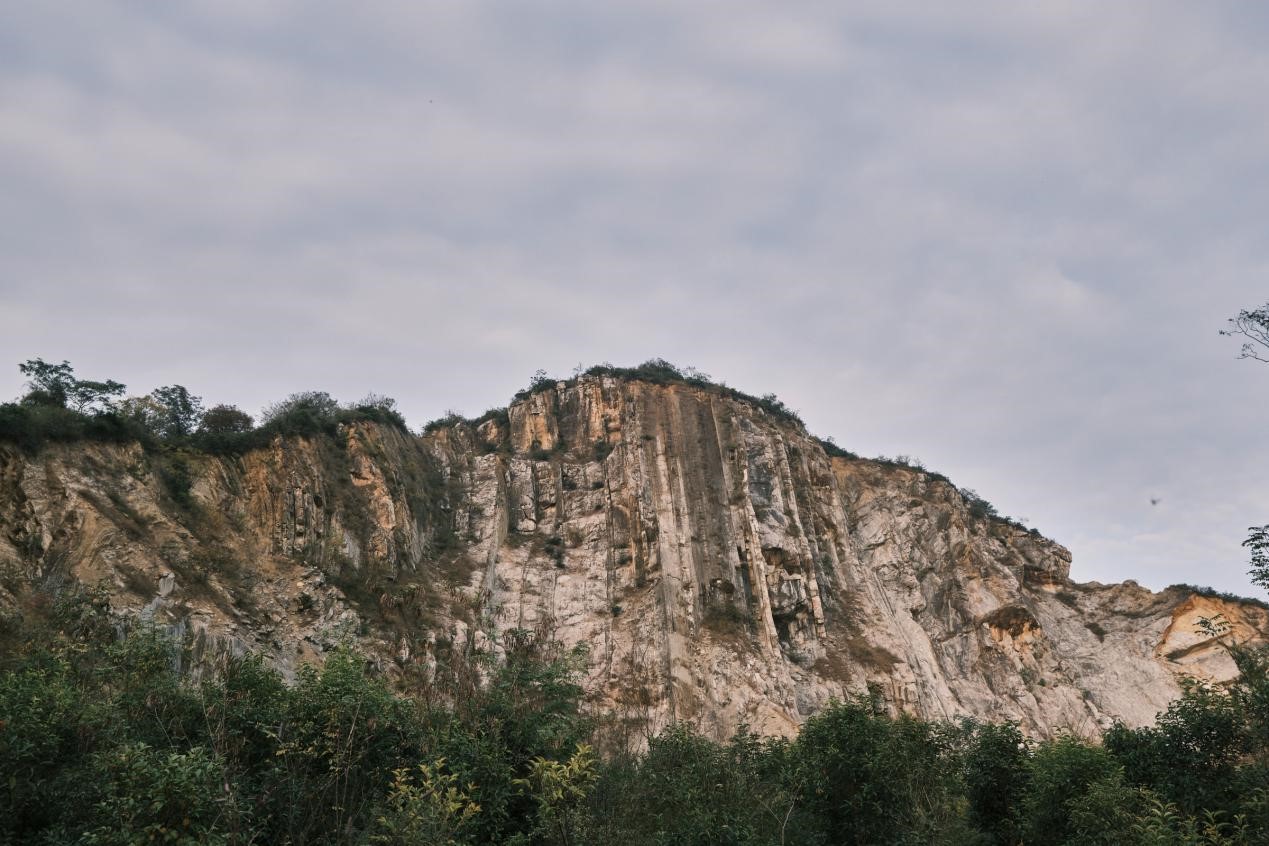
(180, 411)
(226, 420)
(55, 384)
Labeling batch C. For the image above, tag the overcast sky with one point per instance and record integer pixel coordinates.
(999, 237)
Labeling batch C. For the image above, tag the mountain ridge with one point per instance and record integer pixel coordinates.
(723, 565)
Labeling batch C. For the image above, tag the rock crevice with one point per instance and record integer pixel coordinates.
(718, 564)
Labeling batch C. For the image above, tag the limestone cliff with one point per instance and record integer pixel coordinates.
(719, 565)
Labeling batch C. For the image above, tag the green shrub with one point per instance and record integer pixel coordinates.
(1189, 757)
(30, 427)
(873, 779)
(690, 790)
(341, 738)
(996, 776)
(178, 480)
(831, 448)
(658, 371)
(302, 413)
(979, 508)
(1061, 774)
(1213, 593)
(42, 712)
(146, 795)
(225, 420)
(103, 739)
(426, 806)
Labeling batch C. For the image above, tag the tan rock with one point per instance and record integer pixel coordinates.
(718, 565)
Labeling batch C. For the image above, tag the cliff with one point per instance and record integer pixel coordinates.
(720, 566)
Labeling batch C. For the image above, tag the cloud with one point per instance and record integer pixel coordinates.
(999, 237)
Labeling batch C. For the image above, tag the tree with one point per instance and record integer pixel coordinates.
(378, 408)
(84, 394)
(55, 384)
(430, 807)
(1062, 774)
(181, 411)
(141, 410)
(225, 420)
(1189, 757)
(560, 788)
(1258, 543)
(303, 413)
(1254, 327)
(49, 384)
(995, 773)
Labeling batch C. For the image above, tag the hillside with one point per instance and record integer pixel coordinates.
(719, 563)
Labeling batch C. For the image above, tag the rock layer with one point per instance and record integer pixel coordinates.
(720, 567)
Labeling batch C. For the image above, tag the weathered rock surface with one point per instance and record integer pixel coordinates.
(720, 566)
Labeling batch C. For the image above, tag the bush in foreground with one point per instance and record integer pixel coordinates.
(103, 741)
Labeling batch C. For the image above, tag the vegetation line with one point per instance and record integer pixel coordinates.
(103, 742)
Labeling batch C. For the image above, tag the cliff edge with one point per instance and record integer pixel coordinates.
(719, 564)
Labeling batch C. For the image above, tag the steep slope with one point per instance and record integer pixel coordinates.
(719, 565)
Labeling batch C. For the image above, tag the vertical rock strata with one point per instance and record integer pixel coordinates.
(718, 565)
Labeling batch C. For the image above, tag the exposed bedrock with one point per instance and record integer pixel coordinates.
(718, 564)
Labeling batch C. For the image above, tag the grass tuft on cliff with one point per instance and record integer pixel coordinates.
(658, 371)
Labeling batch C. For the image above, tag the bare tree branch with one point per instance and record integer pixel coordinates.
(1254, 326)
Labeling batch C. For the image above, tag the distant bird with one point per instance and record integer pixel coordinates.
(1154, 500)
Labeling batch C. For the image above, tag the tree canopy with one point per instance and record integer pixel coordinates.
(55, 384)
(103, 740)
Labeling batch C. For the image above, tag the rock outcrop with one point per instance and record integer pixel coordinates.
(720, 566)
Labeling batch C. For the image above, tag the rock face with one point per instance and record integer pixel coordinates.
(718, 564)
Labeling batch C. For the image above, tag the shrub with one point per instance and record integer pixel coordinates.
(375, 408)
(1213, 593)
(449, 420)
(1060, 774)
(1190, 755)
(144, 795)
(874, 779)
(42, 713)
(343, 735)
(979, 508)
(996, 776)
(102, 740)
(30, 427)
(658, 371)
(178, 481)
(831, 448)
(724, 617)
(226, 420)
(303, 413)
(690, 790)
(428, 805)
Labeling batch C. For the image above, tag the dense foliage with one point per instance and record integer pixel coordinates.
(102, 740)
(58, 407)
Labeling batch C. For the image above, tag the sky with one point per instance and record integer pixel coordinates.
(999, 237)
